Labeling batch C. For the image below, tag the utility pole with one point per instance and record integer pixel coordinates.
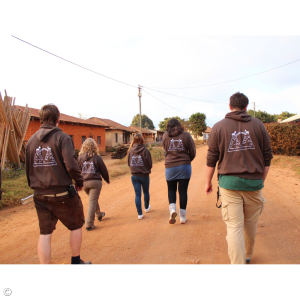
(253, 109)
(140, 95)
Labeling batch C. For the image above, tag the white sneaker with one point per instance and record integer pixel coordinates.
(173, 215)
(140, 217)
(148, 209)
(183, 220)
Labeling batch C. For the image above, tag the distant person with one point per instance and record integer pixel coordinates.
(92, 168)
(51, 165)
(140, 163)
(242, 146)
(179, 150)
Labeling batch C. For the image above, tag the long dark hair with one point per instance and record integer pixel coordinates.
(174, 127)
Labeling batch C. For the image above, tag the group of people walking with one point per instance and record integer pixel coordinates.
(239, 144)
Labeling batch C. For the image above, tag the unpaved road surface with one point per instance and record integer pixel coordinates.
(123, 239)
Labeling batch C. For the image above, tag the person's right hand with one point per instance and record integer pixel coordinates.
(208, 188)
(78, 188)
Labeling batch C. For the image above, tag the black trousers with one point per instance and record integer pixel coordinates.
(182, 188)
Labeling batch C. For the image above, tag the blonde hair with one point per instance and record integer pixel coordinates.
(89, 147)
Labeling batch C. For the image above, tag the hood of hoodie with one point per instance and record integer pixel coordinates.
(238, 115)
(138, 148)
(45, 131)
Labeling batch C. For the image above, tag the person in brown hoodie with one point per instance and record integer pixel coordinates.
(241, 145)
(140, 163)
(92, 167)
(51, 165)
(180, 150)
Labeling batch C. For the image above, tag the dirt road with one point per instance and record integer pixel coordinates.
(123, 239)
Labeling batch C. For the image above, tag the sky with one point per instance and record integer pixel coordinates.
(163, 45)
(127, 48)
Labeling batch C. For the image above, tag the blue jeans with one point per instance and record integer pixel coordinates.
(139, 182)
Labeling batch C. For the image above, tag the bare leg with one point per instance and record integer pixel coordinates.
(44, 248)
(75, 241)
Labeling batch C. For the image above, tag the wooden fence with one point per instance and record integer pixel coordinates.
(13, 127)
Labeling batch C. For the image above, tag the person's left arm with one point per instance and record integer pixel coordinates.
(191, 147)
(102, 168)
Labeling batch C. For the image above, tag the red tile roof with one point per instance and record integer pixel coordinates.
(208, 130)
(65, 118)
(112, 124)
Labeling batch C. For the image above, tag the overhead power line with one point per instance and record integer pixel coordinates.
(184, 97)
(199, 86)
(165, 103)
(74, 63)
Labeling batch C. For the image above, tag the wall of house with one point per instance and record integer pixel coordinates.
(110, 137)
(76, 130)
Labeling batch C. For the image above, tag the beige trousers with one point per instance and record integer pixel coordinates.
(240, 212)
(93, 189)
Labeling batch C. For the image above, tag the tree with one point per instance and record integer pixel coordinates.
(163, 124)
(268, 118)
(81, 116)
(284, 115)
(146, 122)
(197, 123)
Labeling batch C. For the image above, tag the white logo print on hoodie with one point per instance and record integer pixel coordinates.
(40, 161)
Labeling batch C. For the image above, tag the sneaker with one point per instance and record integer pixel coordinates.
(85, 262)
(90, 228)
(102, 216)
(183, 220)
(148, 209)
(248, 260)
(172, 217)
(140, 217)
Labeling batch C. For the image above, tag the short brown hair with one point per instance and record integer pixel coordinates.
(49, 114)
(239, 100)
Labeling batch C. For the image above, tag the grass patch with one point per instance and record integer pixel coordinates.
(157, 154)
(14, 189)
(289, 162)
(199, 142)
(121, 171)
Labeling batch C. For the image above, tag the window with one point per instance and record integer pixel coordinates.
(98, 140)
(83, 138)
(116, 137)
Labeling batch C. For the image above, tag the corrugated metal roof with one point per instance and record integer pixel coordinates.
(291, 119)
(65, 118)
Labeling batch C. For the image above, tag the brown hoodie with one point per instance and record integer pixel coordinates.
(92, 167)
(51, 162)
(241, 144)
(179, 149)
(139, 160)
